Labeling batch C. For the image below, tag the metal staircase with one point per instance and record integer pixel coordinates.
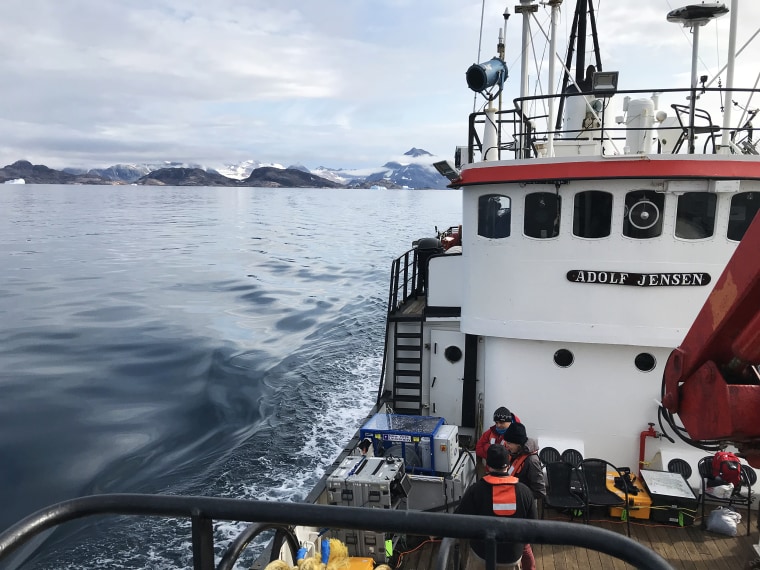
(407, 366)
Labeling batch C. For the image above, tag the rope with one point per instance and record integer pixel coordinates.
(480, 43)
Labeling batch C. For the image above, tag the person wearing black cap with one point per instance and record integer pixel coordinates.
(524, 462)
(364, 447)
(498, 494)
(526, 466)
(502, 417)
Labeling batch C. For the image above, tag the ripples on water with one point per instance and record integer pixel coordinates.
(212, 341)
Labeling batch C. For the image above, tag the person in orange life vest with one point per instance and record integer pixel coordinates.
(497, 495)
(523, 459)
(526, 466)
(502, 417)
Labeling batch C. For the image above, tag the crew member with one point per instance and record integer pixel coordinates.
(526, 466)
(365, 446)
(502, 417)
(498, 494)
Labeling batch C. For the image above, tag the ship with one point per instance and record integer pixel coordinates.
(583, 288)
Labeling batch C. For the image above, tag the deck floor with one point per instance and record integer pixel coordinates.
(683, 547)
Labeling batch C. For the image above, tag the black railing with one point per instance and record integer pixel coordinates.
(403, 284)
(203, 511)
(404, 280)
(519, 130)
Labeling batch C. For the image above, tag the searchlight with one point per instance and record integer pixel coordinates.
(484, 76)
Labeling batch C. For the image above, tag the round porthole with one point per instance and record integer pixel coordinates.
(453, 354)
(645, 362)
(563, 358)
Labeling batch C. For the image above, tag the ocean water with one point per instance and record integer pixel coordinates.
(215, 341)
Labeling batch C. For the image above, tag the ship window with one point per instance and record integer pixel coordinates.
(453, 354)
(542, 211)
(695, 217)
(744, 207)
(592, 214)
(563, 358)
(494, 216)
(642, 217)
(645, 362)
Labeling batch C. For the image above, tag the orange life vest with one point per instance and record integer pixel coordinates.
(516, 466)
(504, 495)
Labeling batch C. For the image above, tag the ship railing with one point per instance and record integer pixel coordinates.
(405, 281)
(202, 512)
(523, 132)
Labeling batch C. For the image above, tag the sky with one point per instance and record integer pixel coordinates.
(335, 83)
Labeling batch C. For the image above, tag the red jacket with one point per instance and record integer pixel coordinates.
(489, 438)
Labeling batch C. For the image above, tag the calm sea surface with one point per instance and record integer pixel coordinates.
(215, 341)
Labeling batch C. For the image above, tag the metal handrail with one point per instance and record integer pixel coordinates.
(404, 278)
(401, 287)
(283, 533)
(204, 510)
(523, 124)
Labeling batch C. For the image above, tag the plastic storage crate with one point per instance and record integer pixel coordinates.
(374, 482)
(639, 505)
(673, 500)
(369, 482)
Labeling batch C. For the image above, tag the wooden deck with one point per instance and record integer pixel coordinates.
(413, 307)
(683, 547)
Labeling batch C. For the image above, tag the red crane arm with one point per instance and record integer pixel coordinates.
(711, 380)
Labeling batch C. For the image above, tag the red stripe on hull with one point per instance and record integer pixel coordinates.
(600, 169)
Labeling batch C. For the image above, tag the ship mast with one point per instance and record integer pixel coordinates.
(555, 5)
(526, 8)
(584, 13)
(726, 139)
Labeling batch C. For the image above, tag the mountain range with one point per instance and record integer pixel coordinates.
(416, 172)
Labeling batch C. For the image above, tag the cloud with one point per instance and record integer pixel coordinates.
(345, 83)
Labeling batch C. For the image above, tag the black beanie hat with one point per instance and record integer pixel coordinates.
(502, 412)
(497, 456)
(516, 434)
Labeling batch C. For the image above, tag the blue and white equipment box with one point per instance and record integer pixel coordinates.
(408, 437)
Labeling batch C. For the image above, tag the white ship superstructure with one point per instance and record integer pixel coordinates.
(589, 242)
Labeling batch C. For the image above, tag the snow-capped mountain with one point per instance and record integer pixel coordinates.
(130, 172)
(417, 152)
(413, 169)
(408, 176)
(338, 175)
(242, 170)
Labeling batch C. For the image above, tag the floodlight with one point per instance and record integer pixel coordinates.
(604, 82)
(445, 168)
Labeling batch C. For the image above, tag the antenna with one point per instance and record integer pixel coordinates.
(694, 17)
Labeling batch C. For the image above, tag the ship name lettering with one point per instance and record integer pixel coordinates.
(608, 277)
(666, 279)
(639, 279)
